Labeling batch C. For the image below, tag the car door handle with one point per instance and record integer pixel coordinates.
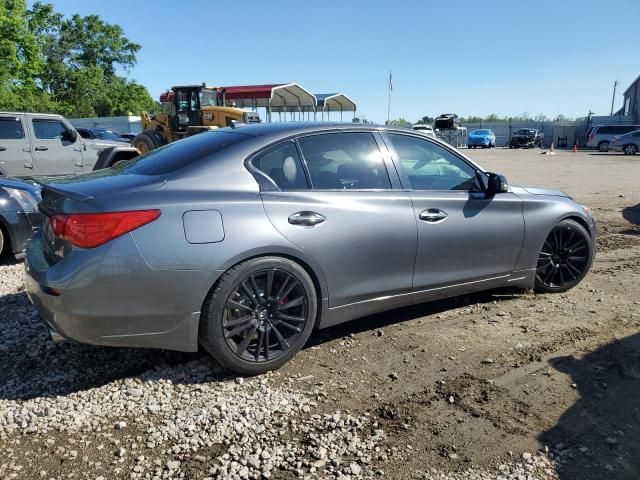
(41, 149)
(306, 219)
(77, 149)
(2, 149)
(26, 149)
(28, 165)
(433, 215)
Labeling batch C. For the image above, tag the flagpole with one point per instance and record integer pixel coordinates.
(389, 101)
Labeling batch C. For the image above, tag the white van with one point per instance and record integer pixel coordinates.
(33, 144)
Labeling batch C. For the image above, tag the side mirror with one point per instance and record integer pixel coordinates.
(70, 136)
(496, 184)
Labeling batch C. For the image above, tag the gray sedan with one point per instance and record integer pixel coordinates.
(245, 239)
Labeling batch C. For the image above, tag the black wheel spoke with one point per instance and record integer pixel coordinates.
(239, 329)
(286, 325)
(250, 295)
(245, 343)
(547, 277)
(283, 286)
(290, 318)
(259, 324)
(259, 345)
(254, 286)
(572, 268)
(238, 306)
(291, 303)
(284, 345)
(573, 258)
(269, 285)
(237, 321)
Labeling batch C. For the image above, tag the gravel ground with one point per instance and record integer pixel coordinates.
(500, 385)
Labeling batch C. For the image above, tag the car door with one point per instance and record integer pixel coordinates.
(57, 148)
(463, 236)
(337, 203)
(15, 150)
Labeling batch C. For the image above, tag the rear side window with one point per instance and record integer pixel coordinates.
(606, 131)
(344, 161)
(179, 154)
(283, 166)
(48, 129)
(11, 128)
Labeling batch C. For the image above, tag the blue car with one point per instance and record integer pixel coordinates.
(484, 138)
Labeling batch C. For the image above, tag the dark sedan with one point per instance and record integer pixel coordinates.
(19, 215)
(101, 134)
(245, 239)
(526, 138)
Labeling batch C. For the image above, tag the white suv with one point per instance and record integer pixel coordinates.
(600, 137)
(34, 144)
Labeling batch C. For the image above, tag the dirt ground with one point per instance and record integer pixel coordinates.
(474, 382)
(525, 371)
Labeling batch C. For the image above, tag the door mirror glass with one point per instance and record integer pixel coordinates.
(69, 136)
(496, 184)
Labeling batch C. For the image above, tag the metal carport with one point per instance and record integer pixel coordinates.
(280, 97)
(334, 102)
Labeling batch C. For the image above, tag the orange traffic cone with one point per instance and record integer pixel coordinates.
(575, 148)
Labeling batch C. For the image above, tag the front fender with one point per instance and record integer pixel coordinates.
(541, 213)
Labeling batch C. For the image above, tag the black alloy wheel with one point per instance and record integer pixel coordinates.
(265, 315)
(259, 315)
(564, 259)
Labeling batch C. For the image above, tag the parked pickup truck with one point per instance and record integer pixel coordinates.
(33, 144)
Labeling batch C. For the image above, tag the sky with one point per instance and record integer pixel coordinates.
(467, 57)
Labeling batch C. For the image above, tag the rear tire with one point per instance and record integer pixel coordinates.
(246, 324)
(603, 146)
(565, 258)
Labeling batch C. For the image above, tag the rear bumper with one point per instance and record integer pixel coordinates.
(109, 296)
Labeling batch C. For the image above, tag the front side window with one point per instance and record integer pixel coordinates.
(11, 128)
(283, 166)
(49, 129)
(431, 167)
(344, 161)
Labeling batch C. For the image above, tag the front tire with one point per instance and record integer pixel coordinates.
(259, 315)
(2, 242)
(564, 259)
(630, 149)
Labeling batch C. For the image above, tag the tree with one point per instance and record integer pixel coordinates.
(400, 122)
(81, 55)
(426, 120)
(492, 117)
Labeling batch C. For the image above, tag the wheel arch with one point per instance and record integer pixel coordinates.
(581, 221)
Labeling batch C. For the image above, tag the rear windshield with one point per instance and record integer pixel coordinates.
(179, 154)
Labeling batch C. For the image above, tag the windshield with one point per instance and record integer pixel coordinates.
(481, 132)
(208, 98)
(526, 131)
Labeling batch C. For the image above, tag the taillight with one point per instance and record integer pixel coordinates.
(90, 230)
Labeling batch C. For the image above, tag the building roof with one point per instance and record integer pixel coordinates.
(279, 96)
(335, 102)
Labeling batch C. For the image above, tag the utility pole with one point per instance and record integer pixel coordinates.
(389, 101)
(615, 84)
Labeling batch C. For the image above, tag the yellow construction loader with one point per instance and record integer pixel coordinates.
(187, 110)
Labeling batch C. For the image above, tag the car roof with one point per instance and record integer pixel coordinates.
(272, 131)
